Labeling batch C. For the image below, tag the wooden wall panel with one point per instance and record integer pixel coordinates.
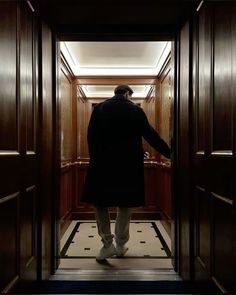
(202, 228)
(214, 144)
(201, 115)
(28, 224)
(222, 102)
(82, 149)
(164, 127)
(9, 231)
(165, 104)
(149, 107)
(46, 148)
(8, 81)
(27, 76)
(223, 244)
(68, 137)
(18, 141)
(66, 117)
(29, 149)
(66, 185)
(183, 202)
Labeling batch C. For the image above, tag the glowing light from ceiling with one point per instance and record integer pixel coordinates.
(134, 70)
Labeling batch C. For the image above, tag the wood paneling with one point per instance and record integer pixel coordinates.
(28, 230)
(66, 185)
(222, 101)
(201, 101)
(214, 144)
(202, 207)
(183, 170)
(66, 116)
(46, 148)
(18, 142)
(82, 148)
(151, 209)
(9, 235)
(165, 89)
(68, 139)
(8, 81)
(164, 127)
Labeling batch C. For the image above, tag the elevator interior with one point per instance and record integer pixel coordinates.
(89, 72)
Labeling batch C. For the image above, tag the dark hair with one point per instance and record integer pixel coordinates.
(122, 89)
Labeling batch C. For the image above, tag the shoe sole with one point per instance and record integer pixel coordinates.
(104, 258)
(122, 254)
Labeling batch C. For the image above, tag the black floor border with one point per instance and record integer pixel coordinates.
(69, 241)
(162, 240)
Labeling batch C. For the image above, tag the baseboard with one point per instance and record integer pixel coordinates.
(148, 215)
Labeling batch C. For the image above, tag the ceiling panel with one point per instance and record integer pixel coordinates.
(115, 58)
(94, 91)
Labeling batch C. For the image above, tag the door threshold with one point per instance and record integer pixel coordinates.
(116, 274)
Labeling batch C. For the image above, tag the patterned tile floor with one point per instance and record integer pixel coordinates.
(149, 248)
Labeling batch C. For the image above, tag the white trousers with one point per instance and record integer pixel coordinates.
(123, 217)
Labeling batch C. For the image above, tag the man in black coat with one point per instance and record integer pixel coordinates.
(115, 175)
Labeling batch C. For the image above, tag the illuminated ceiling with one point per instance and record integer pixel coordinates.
(115, 59)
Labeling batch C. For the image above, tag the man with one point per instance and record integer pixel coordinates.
(115, 175)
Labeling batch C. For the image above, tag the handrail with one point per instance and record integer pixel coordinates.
(164, 164)
(146, 162)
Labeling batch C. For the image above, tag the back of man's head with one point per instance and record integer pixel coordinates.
(122, 89)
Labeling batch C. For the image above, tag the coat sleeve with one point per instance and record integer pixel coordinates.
(153, 138)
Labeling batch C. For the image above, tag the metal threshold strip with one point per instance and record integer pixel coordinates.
(116, 274)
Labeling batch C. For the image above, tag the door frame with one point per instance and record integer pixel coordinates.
(116, 35)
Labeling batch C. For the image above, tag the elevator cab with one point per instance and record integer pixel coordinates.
(81, 88)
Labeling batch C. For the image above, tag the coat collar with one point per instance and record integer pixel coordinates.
(121, 97)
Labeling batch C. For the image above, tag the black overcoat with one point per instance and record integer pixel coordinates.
(115, 176)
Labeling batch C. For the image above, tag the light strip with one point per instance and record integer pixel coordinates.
(65, 51)
(110, 92)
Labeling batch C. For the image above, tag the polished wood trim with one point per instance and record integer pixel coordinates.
(200, 153)
(31, 6)
(64, 64)
(9, 153)
(222, 153)
(200, 188)
(30, 153)
(201, 261)
(10, 285)
(218, 284)
(166, 67)
(224, 199)
(9, 197)
(31, 188)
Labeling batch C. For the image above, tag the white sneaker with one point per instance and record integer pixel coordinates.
(121, 250)
(106, 252)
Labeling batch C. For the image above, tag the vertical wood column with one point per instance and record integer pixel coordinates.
(183, 178)
(19, 143)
